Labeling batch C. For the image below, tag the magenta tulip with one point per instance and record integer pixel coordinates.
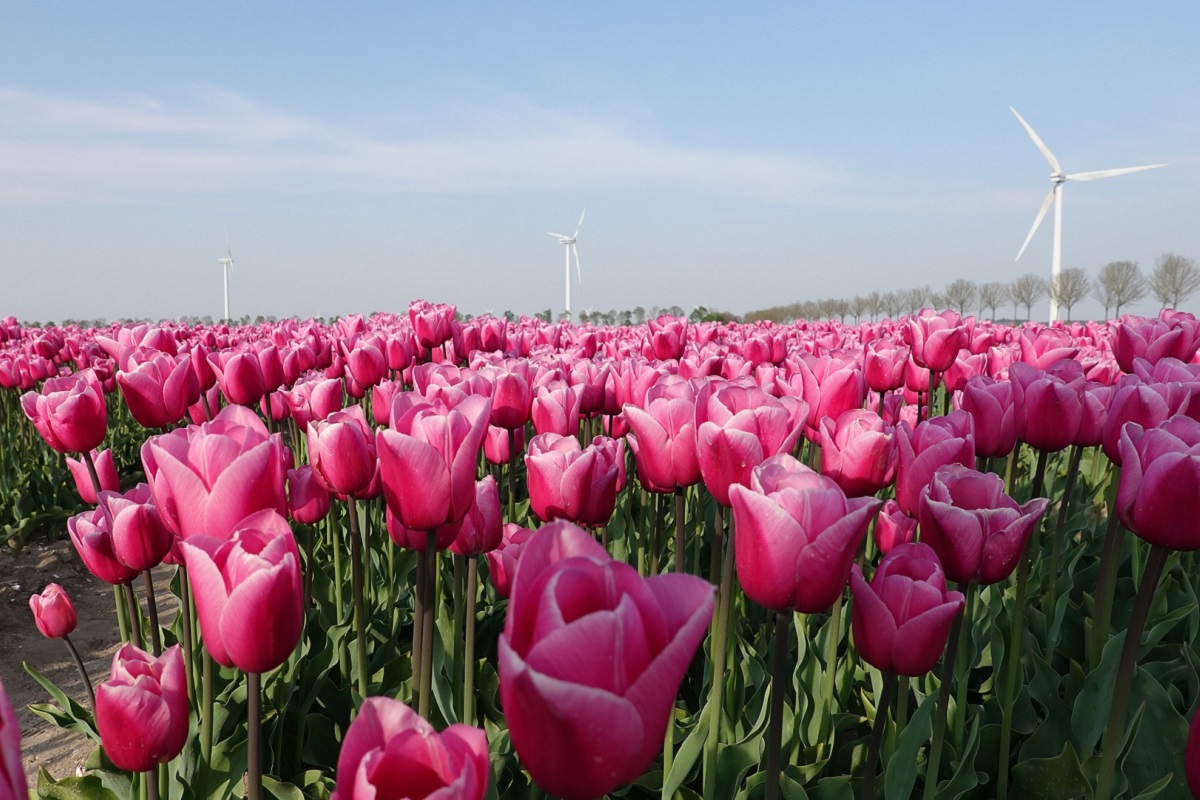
(893, 527)
(1160, 482)
(1153, 339)
(140, 540)
(902, 618)
(240, 377)
(935, 339)
(932, 444)
(990, 405)
(142, 710)
(1049, 406)
(91, 533)
(12, 775)
(159, 390)
(53, 612)
(591, 648)
(977, 530)
(502, 562)
(482, 529)
(859, 452)
(556, 408)
(207, 478)
(512, 399)
(883, 365)
(248, 592)
(106, 471)
(666, 337)
(341, 449)
(431, 322)
(390, 751)
(797, 534)
(69, 414)
(663, 436)
(570, 482)
(308, 500)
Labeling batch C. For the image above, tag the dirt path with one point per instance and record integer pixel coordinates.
(97, 637)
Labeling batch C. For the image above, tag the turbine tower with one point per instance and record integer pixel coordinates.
(568, 242)
(227, 266)
(1057, 179)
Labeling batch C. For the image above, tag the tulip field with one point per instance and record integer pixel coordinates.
(417, 556)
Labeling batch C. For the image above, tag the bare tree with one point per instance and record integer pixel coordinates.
(1027, 290)
(991, 295)
(858, 307)
(960, 295)
(920, 297)
(1069, 287)
(874, 303)
(1174, 279)
(1119, 283)
(890, 304)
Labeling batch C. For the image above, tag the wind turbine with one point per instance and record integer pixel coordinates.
(568, 242)
(1057, 179)
(227, 265)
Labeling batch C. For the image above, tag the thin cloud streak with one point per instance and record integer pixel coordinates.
(54, 147)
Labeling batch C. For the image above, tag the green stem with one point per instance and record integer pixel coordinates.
(1106, 580)
(1114, 733)
(135, 617)
(122, 614)
(469, 653)
(966, 659)
(1060, 529)
(185, 619)
(254, 736)
(206, 711)
(512, 475)
(943, 705)
(335, 539)
(428, 623)
(723, 555)
(418, 638)
(656, 545)
(877, 728)
(152, 613)
(82, 673)
(778, 689)
(360, 611)
(932, 391)
(150, 783)
(457, 643)
(680, 552)
(830, 676)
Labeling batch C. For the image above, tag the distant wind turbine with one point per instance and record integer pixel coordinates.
(227, 265)
(1058, 178)
(568, 243)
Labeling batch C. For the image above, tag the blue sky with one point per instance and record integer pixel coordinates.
(738, 156)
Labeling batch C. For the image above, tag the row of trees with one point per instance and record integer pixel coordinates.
(1117, 285)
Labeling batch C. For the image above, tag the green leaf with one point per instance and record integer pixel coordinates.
(1090, 713)
(687, 755)
(88, 787)
(900, 773)
(280, 790)
(1058, 778)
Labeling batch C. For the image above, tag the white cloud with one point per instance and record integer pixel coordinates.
(216, 141)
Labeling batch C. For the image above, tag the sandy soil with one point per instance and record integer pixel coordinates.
(61, 752)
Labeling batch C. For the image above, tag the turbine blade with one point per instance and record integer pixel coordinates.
(557, 235)
(578, 272)
(1110, 173)
(1041, 215)
(580, 225)
(1037, 141)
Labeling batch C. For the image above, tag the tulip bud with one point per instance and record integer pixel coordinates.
(53, 612)
(142, 710)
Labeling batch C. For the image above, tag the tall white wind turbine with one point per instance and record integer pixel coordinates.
(568, 242)
(227, 266)
(1057, 179)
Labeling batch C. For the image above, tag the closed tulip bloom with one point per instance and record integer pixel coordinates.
(106, 471)
(12, 775)
(248, 592)
(1160, 482)
(1049, 408)
(666, 337)
(142, 710)
(240, 377)
(902, 618)
(391, 751)
(366, 362)
(833, 385)
(556, 409)
(1046, 346)
(569, 482)
(432, 323)
(316, 399)
(140, 540)
(53, 612)
(341, 449)
(1147, 405)
(427, 459)
(883, 364)
(1153, 339)
(990, 405)
(91, 534)
(935, 339)
(859, 452)
(496, 446)
(69, 413)
(932, 444)
(502, 562)
(663, 439)
(159, 390)
(481, 530)
(964, 368)
(1093, 402)
(207, 478)
(737, 428)
(977, 530)
(512, 399)
(591, 659)
(308, 500)
(797, 534)
(893, 527)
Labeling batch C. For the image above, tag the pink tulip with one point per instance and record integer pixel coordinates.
(990, 406)
(142, 710)
(496, 445)
(481, 530)
(934, 443)
(935, 339)
(91, 533)
(1147, 405)
(859, 452)
(207, 478)
(159, 390)
(315, 399)
(12, 775)
(69, 414)
(1160, 482)
(902, 618)
(572, 483)
(341, 449)
(1167, 336)
(663, 436)
(433, 323)
(737, 428)
(390, 751)
(502, 562)
(140, 540)
(893, 527)
(797, 535)
(556, 409)
(427, 459)
(53, 612)
(666, 337)
(833, 385)
(106, 471)
(308, 500)
(883, 365)
(240, 377)
(977, 530)
(512, 399)
(248, 592)
(570, 673)
(366, 362)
